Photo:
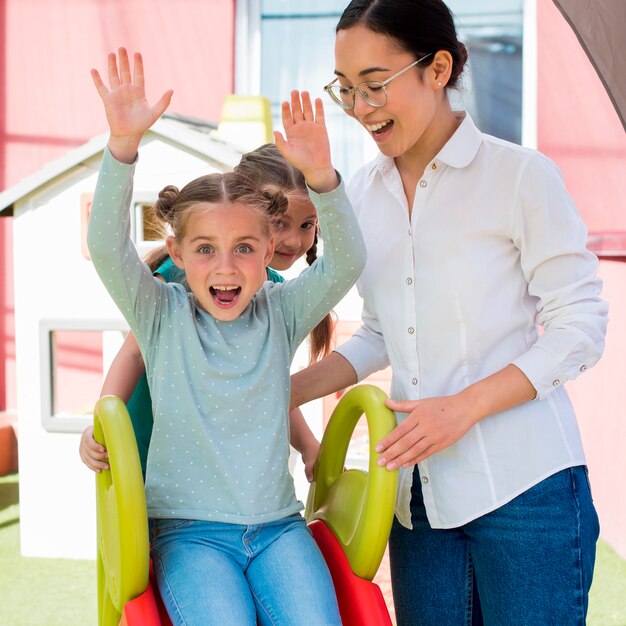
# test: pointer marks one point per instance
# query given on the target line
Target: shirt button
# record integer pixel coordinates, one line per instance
(409, 281)
(433, 166)
(583, 368)
(411, 330)
(423, 183)
(414, 381)
(556, 383)
(425, 480)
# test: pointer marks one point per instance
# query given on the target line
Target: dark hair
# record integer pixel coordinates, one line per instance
(173, 205)
(418, 26)
(276, 177)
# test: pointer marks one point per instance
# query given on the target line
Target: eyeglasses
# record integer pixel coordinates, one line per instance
(372, 91)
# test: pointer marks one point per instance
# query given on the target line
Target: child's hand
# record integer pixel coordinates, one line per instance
(309, 458)
(306, 146)
(128, 112)
(92, 454)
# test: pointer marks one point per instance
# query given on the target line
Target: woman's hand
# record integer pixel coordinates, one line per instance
(432, 425)
(92, 454)
(306, 145)
(128, 112)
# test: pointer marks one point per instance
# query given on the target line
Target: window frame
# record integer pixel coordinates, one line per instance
(248, 47)
(66, 422)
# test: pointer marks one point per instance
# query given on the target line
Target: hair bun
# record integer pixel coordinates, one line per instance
(164, 206)
(463, 52)
(277, 201)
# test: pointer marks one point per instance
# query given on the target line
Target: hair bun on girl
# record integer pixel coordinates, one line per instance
(277, 201)
(164, 206)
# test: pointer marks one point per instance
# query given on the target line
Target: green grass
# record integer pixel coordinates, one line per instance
(51, 592)
(40, 592)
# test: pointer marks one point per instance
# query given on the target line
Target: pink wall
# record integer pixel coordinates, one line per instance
(48, 104)
(577, 124)
(579, 129)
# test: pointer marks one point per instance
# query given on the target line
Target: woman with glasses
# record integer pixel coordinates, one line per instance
(474, 245)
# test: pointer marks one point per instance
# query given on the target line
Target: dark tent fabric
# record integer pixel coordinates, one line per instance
(600, 26)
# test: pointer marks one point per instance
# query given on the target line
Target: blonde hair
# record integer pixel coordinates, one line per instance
(174, 206)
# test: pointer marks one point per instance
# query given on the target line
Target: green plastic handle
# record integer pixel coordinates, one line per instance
(358, 506)
(123, 543)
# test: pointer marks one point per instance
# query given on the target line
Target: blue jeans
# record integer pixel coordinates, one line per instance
(230, 574)
(528, 563)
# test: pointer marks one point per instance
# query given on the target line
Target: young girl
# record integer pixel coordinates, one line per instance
(295, 230)
(473, 245)
(228, 543)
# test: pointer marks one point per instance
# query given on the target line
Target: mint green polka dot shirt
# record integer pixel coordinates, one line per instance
(220, 390)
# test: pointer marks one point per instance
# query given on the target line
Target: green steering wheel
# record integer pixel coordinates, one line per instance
(358, 506)
(123, 544)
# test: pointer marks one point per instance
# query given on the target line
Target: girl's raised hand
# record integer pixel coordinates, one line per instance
(306, 144)
(128, 112)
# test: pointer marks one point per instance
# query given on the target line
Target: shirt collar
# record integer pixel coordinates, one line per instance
(459, 151)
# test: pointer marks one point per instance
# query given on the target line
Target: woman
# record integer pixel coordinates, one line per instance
(473, 244)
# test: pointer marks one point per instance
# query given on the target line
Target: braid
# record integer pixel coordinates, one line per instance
(322, 334)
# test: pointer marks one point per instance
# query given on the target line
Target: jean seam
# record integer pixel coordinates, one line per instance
(262, 606)
(581, 608)
(469, 587)
(166, 587)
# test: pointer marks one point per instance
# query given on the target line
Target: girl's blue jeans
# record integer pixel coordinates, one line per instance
(234, 575)
(528, 563)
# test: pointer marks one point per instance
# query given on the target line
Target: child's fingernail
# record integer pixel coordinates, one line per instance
(392, 466)
(381, 461)
(378, 447)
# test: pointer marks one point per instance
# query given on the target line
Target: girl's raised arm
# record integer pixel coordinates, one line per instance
(128, 112)
(306, 145)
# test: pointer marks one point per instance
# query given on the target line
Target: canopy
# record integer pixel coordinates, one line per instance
(601, 29)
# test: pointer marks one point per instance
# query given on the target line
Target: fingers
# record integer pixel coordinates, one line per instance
(296, 107)
(395, 435)
(287, 118)
(138, 70)
(308, 471)
(280, 142)
(160, 107)
(319, 112)
(307, 108)
(97, 81)
(300, 109)
(122, 75)
(114, 79)
(125, 75)
(406, 453)
(92, 453)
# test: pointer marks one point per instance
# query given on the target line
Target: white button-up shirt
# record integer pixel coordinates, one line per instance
(493, 251)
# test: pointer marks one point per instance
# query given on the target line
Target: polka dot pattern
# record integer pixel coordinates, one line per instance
(220, 390)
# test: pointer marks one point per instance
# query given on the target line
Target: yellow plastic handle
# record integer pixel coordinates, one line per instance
(123, 544)
(357, 506)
